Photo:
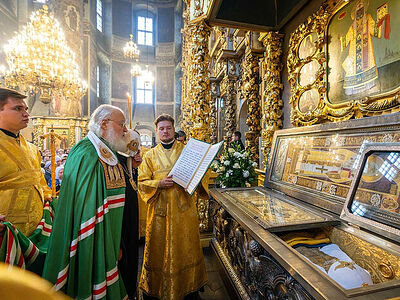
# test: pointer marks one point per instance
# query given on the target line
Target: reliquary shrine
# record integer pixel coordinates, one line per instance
(326, 223)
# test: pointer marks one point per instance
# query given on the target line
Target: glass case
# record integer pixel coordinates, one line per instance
(373, 201)
(276, 213)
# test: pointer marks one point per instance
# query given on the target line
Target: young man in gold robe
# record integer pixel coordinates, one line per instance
(173, 265)
(23, 188)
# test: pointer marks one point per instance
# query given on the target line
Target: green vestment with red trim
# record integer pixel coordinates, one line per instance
(82, 259)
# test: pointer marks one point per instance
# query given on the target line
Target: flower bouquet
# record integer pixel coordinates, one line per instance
(234, 168)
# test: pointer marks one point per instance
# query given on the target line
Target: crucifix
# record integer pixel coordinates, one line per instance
(322, 169)
(52, 142)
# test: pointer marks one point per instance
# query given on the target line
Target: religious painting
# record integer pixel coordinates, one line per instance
(64, 133)
(121, 79)
(363, 50)
(65, 107)
(307, 46)
(308, 100)
(349, 52)
(72, 18)
(165, 84)
(308, 73)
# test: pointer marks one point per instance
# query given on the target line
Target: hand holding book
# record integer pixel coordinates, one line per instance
(193, 163)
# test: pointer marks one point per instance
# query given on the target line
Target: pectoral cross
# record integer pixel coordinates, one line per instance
(52, 141)
(322, 169)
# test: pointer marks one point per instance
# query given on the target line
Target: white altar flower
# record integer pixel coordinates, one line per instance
(236, 166)
(254, 164)
(227, 162)
(237, 154)
(246, 174)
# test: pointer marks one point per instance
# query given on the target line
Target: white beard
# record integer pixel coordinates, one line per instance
(116, 143)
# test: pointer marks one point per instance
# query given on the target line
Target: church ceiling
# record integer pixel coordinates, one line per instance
(259, 15)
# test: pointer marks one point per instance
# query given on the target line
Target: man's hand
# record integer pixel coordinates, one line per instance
(137, 160)
(167, 182)
(48, 199)
(2, 226)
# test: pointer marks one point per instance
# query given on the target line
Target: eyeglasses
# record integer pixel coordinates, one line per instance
(122, 125)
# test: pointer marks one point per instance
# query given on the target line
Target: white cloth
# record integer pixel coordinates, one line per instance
(349, 277)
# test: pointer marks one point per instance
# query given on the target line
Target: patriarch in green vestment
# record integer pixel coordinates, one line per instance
(93, 247)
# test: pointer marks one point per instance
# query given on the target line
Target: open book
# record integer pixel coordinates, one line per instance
(193, 163)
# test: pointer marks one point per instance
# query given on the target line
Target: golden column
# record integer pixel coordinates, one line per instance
(196, 95)
(199, 81)
(213, 113)
(250, 92)
(185, 63)
(228, 92)
(272, 88)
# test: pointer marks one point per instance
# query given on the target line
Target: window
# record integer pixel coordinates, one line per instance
(98, 81)
(145, 140)
(144, 91)
(99, 15)
(145, 31)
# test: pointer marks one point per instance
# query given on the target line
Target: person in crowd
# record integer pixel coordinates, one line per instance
(236, 140)
(181, 136)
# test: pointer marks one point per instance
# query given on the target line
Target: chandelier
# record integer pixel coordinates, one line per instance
(136, 70)
(130, 50)
(40, 61)
(147, 75)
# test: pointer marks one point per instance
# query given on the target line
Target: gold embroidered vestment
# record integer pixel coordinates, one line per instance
(22, 184)
(173, 263)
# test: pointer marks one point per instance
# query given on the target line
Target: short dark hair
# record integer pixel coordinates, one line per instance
(176, 135)
(9, 93)
(181, 133)
(238, 134)
(164, 117)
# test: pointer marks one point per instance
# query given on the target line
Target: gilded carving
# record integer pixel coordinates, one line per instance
(185, 63)
(250, 92)
(228, 92)
(213, 113)
(196, 94)
(200, 94)
(255, 273)
(72, 125)
(272, 98)
(310, 103)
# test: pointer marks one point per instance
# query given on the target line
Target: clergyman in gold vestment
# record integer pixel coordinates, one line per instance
(173, 265)
(23, 188)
